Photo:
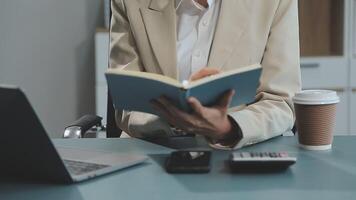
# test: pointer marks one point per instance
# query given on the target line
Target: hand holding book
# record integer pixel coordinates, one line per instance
(212, 122)
(133, 90)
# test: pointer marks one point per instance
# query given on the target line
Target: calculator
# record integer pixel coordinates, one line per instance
(260, 161)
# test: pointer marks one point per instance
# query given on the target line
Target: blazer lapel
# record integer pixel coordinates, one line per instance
(160, 23)
(230, 28)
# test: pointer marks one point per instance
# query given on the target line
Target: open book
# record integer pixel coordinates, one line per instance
(132, 90)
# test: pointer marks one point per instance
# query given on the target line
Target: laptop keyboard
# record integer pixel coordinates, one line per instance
(79, 168)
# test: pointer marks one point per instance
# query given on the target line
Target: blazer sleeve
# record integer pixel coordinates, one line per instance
(124, 55)
(272, 114)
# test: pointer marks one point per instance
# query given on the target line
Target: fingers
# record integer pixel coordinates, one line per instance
(196, 105)
(204, 73)
(173, 119)
(223, 103)
(170, 111)
(205, 121)
(180, 119)
(162, 111)
(226, 99)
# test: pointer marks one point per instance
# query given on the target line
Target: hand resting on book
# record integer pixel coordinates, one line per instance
(208, 71)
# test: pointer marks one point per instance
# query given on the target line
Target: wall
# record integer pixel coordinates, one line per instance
(47, 48)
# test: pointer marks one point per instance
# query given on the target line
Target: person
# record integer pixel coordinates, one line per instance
(192, 39)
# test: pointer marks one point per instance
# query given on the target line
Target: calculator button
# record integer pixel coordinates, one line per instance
(253, 155)
(245, 155)
(273, 155)
(283, 154)
(265, 155)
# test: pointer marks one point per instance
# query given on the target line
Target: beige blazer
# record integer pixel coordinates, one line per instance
(143, 38)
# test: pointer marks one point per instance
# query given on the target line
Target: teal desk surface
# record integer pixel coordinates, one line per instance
(316, 175)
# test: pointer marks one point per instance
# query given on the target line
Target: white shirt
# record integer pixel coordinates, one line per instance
(195, 31)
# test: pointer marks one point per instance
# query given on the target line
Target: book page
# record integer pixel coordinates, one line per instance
(146, 75)
(221, 75)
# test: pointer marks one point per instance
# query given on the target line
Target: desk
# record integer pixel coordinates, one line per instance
(317, 175)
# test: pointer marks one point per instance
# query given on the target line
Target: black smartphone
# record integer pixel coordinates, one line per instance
(188, 162)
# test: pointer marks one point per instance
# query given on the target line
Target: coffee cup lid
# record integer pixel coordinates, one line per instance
(316, 97)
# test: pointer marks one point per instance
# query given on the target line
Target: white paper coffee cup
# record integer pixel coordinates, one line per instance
(315, 113)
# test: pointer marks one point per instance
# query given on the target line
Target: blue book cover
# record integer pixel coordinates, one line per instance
(133, 90)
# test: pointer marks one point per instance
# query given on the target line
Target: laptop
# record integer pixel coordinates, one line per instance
(26, 151)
